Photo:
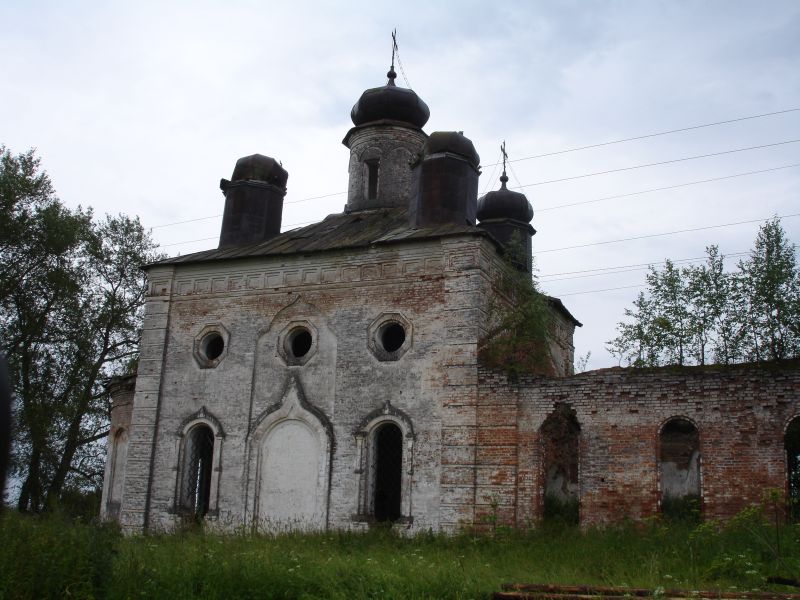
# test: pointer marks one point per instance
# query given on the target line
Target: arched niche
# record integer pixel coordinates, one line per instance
(559, 437)
(119, 460)
(791, 444)
(679, 468)
(290, 459)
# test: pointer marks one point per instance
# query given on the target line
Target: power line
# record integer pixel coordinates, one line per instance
(640, 137)
(538, 210)
(624, 287)
(639, 265)
(650, 135)
(490, 179)
(652, 235)
(220, 214)
(315, 197)
(216, 237)
(663, 162)
(610, 271)
(669, 187)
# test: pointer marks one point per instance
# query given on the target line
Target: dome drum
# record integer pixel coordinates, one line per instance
(380, 165)
(507, 215)
(515, 237)
(445, 181)
(253, 201)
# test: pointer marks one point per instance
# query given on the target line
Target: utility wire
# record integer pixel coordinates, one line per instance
(491, 178)
(220, 214)
(557, 206)
(517, 179)
(216, 237)
(639, 265)
(669, 187)
(652, 235)
(624, 287)
(663, 162)
(651, 135)
(609, 271)
(640, 137)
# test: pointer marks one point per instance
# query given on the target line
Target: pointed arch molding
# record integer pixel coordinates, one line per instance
(385, 413)
(201, 416)
(366, 468)
(290, 457)
(294, 393)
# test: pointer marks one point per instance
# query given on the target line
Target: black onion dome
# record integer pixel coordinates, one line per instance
(392, 103)
(504, 204)
(452, 141)
(258, 167)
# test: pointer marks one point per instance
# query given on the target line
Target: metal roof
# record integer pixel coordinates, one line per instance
(343, 231)
(335, 232)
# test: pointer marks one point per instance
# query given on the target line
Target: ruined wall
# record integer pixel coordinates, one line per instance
(121, 390)
(740, 412)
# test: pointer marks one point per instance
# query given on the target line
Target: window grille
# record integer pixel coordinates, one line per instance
(388, 472)
(196, 482)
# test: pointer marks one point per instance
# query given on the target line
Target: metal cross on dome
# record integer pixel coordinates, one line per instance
(394, 45)
(505, 156)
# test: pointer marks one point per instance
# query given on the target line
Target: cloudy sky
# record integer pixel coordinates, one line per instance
(141, 107)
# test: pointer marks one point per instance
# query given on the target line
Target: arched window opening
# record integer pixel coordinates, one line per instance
(791, 442)
(388, 447)
(560, 435)
(372, 178)
(680, 470)
(197, 461)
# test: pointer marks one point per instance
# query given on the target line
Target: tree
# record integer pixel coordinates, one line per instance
(774, 299)
(701, 314)
(71, 295)
(519, 317)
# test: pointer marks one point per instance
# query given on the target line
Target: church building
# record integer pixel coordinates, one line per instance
(331, 376)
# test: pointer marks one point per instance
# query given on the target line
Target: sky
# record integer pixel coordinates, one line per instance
(141, 107)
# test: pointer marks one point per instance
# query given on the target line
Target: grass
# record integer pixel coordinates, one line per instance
(49, 557)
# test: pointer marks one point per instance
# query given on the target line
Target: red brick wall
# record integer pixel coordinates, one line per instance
(741, 413)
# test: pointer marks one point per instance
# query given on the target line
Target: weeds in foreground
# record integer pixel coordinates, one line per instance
(48, 557)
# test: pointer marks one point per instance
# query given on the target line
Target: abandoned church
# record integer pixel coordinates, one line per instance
(331, 376)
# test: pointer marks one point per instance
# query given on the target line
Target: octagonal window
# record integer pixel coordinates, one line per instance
(297, 343)
(389, 336)
(211, 346)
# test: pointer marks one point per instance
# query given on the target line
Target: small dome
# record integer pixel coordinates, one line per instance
(392, 103)
(452, 141)
(258, 167)
(504, 204)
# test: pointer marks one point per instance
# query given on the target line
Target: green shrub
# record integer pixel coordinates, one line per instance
(49, 556)
(561, 511)
(681, 508)
(54, 557)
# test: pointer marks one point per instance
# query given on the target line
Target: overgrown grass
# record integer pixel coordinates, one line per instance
(46, 557)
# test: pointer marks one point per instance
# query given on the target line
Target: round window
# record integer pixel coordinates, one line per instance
(212, 346)
(392, 336)
(298, 342)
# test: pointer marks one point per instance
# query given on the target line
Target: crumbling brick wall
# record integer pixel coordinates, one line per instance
(741, 413)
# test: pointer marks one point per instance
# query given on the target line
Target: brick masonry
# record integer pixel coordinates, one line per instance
(471, 448)
(474, 451)
(741, 414)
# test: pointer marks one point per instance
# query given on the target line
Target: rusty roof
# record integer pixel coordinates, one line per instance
(335, 232)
